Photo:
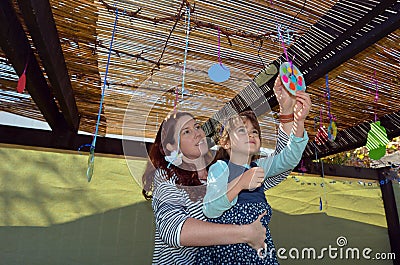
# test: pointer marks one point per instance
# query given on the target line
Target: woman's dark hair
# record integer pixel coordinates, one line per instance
(230, 125)
(165, 135)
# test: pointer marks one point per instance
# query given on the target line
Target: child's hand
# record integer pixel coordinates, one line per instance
(303, 106)
(252, 178)
(286, 100)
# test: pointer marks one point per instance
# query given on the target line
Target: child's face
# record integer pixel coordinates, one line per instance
(244, 139)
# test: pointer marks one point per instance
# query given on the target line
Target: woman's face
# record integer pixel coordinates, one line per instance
(193, 143)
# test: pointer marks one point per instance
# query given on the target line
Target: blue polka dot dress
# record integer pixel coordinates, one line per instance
(249, 206)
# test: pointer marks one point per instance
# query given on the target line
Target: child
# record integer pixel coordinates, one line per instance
(233, 199)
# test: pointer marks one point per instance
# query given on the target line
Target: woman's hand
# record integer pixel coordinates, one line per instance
(255, 233)
(286, 100)
(303, 106)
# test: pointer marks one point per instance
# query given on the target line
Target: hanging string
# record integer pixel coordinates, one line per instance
(89, 172)
(219, 49)
(258, 54)
(176, 99)
(328, 95)
(323, 186)
(375, 81)
(186, 49)
(287, 28)
(301, 10)
(322, 164)
(320, 118)
(219, 46)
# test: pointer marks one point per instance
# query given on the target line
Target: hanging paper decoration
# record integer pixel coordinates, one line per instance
(219, 72)
(377, 137)
(22, 81)
(292, 78)
(377, 141)
(90, 169)
(332, 128)
(321, 137)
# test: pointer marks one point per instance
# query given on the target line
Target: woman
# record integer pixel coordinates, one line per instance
(180, 156)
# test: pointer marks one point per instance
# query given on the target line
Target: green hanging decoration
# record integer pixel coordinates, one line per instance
(377, 141)
(377, 137)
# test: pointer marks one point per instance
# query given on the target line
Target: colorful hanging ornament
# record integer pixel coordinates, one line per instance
(292, 78)
(332, 128)
(377, 137)
(377, 141)
(219, 72)
(22, 80)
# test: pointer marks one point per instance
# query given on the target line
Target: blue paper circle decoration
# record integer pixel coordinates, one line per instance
(219, 73)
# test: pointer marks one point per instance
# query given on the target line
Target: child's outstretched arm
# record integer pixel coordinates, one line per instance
(282, 142)
(286, 104)
(301, 110)
(291, 154)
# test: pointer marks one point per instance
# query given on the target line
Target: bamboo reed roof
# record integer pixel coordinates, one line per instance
(150, 43)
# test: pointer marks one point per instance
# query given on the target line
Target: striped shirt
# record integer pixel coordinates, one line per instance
(172, 206)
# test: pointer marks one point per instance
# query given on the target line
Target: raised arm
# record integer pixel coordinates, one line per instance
(282, 141)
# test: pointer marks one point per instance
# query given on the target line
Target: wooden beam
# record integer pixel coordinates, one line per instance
(379, 8)
(341, 171)
(378, 32)
(16, 47)
(71, 141)
(392, 216)
(40, 22)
